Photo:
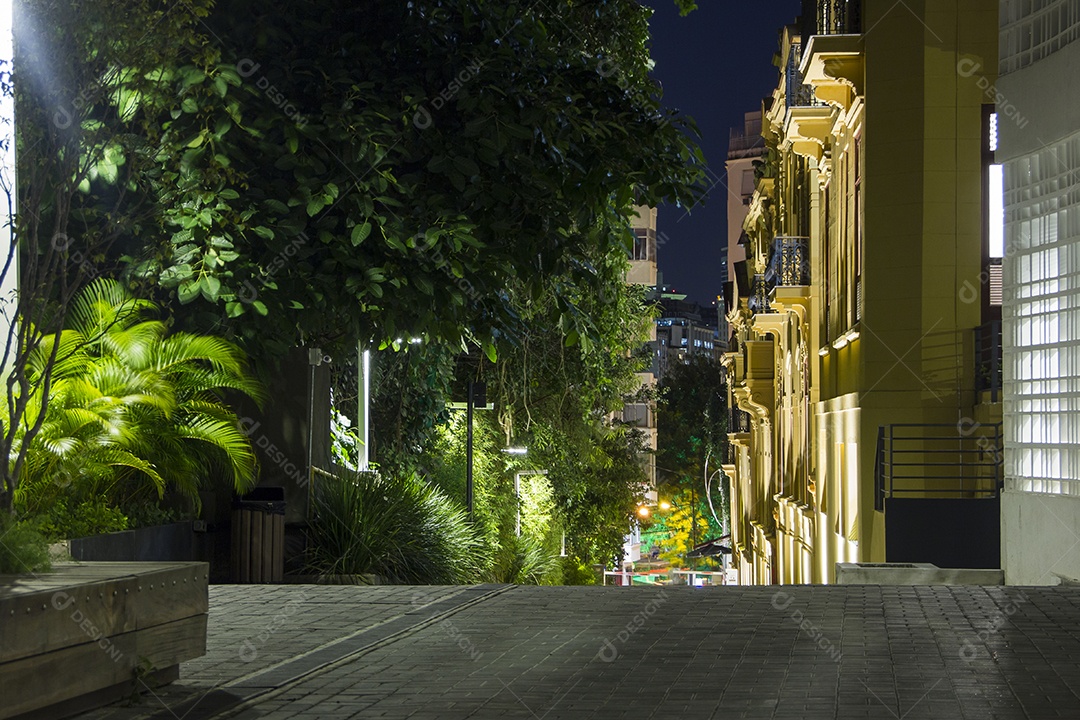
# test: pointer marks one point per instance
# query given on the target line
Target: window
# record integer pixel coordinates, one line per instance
(644, 244)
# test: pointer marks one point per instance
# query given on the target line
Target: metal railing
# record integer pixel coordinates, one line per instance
(789, 263)
(839, 17)
(759, 295)
(798, 93)
(739, 140)
(931, 460)
(988, 359)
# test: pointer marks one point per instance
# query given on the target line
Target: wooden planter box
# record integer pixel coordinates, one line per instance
(79, 636)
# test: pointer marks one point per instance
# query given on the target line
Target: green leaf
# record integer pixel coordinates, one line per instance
(189, 105)
(263, 232)
(489, 351)
(211, 286)
(188, 291)
(424, 284)
(229, 194)
(467, 166)
(360, 233)
(260, 307)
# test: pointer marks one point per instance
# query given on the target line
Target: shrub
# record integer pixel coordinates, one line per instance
(22, 548)
(399, 528)
(66, 519)
(525, 560)
(135, 412)
(576, 572)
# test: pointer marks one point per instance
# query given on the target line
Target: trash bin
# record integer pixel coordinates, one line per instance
(258, 536)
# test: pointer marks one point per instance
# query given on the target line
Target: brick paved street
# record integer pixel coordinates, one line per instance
(677, 652)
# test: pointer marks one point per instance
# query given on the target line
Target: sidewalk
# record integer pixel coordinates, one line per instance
(589, 652)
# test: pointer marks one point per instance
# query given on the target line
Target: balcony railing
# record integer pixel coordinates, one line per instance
(740, 142)
(759, 295)
(839, 17)
(789, 263)
(959, 460)
(798, 94)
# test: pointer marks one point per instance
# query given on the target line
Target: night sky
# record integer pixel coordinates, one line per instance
(714, 64)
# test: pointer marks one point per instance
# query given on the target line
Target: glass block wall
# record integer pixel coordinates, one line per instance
(1041, 303)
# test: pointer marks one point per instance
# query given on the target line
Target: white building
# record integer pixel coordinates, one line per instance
(1037, 100)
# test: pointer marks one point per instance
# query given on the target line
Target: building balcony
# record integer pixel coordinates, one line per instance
(758, 302)
(789, 264)
(798, 93)
(834, 66)
(837, 17)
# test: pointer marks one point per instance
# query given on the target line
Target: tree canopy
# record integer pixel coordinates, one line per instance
(383, 171)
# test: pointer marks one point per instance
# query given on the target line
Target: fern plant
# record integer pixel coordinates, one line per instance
(133, 410)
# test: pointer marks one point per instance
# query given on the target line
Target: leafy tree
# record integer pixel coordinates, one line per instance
(134, 411)
(384, 171)
(692, 427)
(88, 84)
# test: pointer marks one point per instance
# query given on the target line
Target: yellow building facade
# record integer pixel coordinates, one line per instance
(853, 315)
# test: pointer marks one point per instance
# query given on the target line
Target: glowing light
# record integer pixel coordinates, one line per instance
(643, 511)
(824, 351)
(665, 505)
(516, 450)
(997, 211)
(840, 343)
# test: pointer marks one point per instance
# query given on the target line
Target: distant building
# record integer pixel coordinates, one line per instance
(642, 415)
(746, 146)
(1037, 107)
(683, 329)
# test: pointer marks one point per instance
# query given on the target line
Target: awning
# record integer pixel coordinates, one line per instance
(711, 548)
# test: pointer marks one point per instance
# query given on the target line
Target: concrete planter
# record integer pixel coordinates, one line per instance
(80, 636)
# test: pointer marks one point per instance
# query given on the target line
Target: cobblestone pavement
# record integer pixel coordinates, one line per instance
(676, 652)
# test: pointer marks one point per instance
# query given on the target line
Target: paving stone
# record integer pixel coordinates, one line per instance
(493, 652)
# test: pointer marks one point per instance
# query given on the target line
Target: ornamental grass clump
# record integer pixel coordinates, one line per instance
(398, 528)
(22, 548)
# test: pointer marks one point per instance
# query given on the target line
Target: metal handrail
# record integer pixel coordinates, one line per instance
(978, 464)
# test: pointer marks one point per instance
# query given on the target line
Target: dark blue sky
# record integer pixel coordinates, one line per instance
(714, 64)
